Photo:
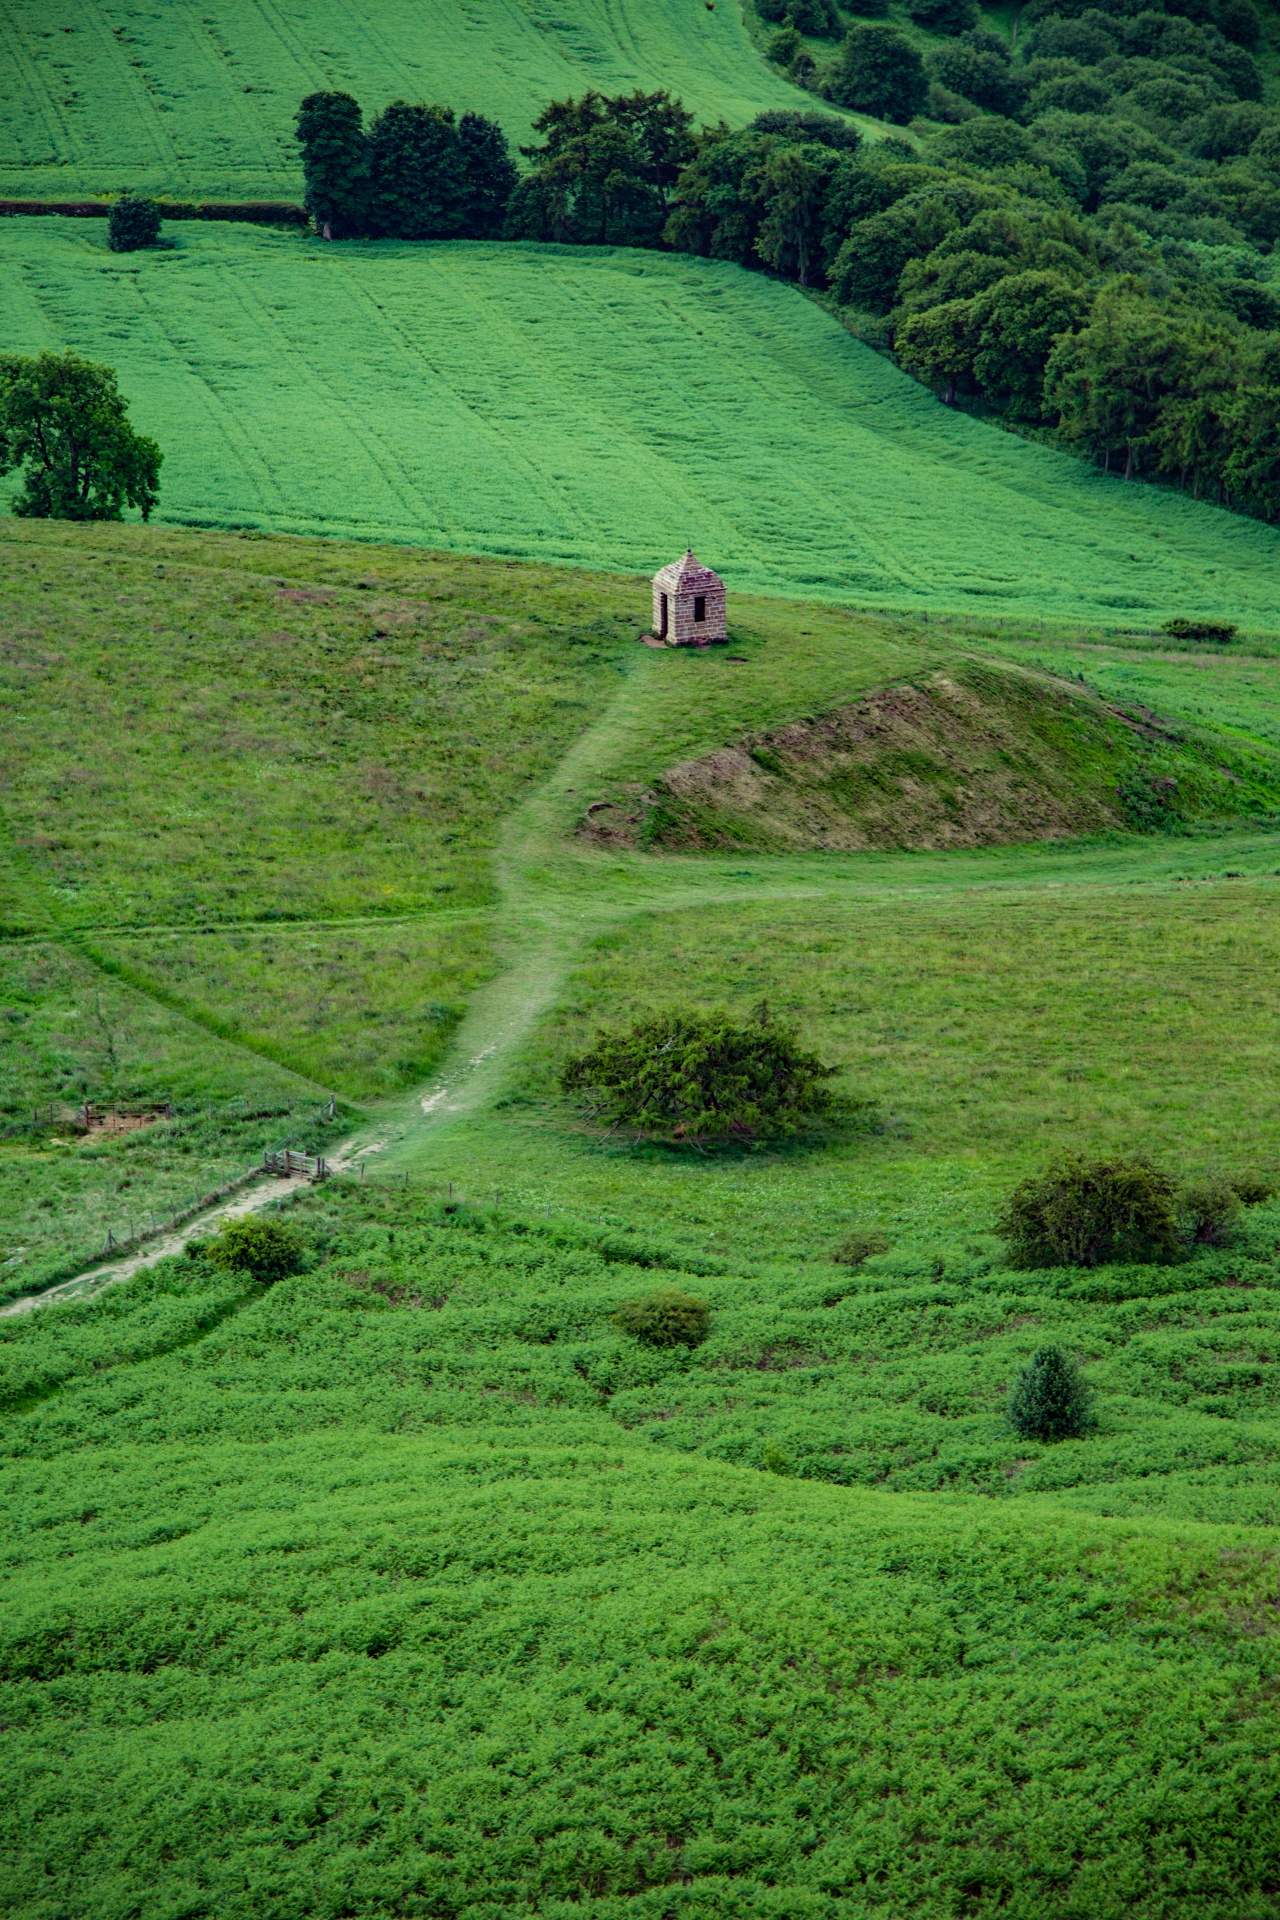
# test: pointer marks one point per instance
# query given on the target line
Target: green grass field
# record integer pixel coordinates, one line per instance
(413, 1587)
(164, 98)
(517, 400)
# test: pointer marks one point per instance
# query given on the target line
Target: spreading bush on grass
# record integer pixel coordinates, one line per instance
(1082, 1213)
(261, 1248)
(666, 1318)
(133, 223)
(1049, 1400)
(62, 419)
(704, 1079)
(1211, 1210)
(857, 1247)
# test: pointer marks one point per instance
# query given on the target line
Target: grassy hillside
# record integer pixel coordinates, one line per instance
(381, 1596)
(99, 94)
(518, 400)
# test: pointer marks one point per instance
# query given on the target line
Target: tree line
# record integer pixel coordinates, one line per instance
(1075, 238)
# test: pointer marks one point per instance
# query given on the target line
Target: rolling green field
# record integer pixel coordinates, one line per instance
(162, 97)
(601, 409)
(414, 1588)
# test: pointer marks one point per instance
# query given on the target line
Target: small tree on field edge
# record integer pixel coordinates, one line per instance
(1049, 1400)
(132, 224)
(63, 420)
(704, 1079)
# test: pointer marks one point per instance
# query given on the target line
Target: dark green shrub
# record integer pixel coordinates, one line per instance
(132, 224)
(1151, 800)
(698, 1079)
(857, 1247)
(1211, 1209)
(264, 1249)
(1049, 1400)
(1201, 630)
(666, 1318)
(1083, 1213)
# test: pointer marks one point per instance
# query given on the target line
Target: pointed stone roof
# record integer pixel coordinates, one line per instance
(686, 576)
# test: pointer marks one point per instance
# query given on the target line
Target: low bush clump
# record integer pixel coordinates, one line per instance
(666, 1318)
(1083, 1213)
(1200, 630)
(699, 1080)
(264, 1249)
(857, 1247)
(132, 224)
(1049, 1400)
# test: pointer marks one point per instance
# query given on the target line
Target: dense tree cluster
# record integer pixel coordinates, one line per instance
(417, 173)
(1083, 246)
(1077, 237)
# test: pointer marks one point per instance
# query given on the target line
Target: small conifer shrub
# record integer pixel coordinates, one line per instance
(132, 224)
(1083, 1213)
(264, 1249)
(1049, 1400)
(665, 1318)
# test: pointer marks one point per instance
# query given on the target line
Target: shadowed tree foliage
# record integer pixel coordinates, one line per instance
(132, 224)
(704, 1079)
(335, 163)
(63, 421)
(489, 175)
(1049, 1400)
(417, 177)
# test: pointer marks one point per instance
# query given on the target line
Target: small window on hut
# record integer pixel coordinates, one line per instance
(699, 607)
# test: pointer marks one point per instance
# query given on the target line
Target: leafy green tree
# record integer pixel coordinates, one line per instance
(665, 1318)
(793, 189)
(1018, 322)
(869, 266)
(702, 1079)
(593, 191)
(878, 71)
(418, 187)
(489, 175)
(1049, 1400)
(938, 345)
(132, 224)
(820, 18)
(264, 1249)
(1083, 1213)
(63, 421)
(335, 164)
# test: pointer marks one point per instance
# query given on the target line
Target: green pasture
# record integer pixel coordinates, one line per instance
(414, 1587)
(602, 409)
(167, 99)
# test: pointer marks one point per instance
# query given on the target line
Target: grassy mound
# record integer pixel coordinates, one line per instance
(970, 757)
(166, 99)
(379, 1585)
(517, 401)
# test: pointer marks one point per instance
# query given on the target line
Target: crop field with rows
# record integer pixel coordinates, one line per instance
(600, 408)
(171, 98)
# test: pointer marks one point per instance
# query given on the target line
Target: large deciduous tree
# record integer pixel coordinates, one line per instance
(62, 421)
(418, 179)
(335, 163)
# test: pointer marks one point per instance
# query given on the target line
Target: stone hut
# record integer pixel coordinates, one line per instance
(688, 604)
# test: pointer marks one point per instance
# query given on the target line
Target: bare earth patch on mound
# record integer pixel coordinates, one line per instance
(969, 757)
